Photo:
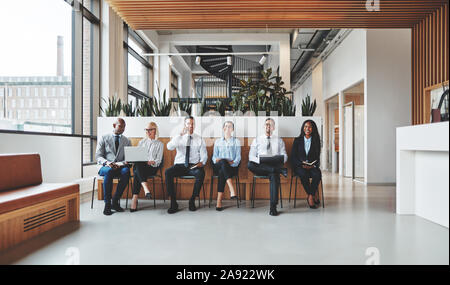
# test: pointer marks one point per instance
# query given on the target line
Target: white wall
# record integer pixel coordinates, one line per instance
(300, 93)
(387, 98)
(346, 65)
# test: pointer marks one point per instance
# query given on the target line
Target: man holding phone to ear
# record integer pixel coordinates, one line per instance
(190, 159)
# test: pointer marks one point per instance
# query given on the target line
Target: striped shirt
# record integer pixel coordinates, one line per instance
(154, 148)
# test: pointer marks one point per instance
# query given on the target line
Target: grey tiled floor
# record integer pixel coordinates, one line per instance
(356, 217)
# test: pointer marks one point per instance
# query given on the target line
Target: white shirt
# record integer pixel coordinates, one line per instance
(197, 152)
(259, 147)
(154, 148)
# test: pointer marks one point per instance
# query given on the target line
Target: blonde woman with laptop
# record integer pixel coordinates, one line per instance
(142, 170)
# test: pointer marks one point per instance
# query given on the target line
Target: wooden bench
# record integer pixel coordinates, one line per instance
(245, 175)
(29, 207)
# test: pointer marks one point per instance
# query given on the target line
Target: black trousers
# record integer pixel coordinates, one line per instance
(305, 175)
(141, 172)
(274, 176)
(225, 171)
(180, 170)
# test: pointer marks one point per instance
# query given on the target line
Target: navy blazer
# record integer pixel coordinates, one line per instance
(299, 154)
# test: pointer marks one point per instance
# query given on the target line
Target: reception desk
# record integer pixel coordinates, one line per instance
(423, 171)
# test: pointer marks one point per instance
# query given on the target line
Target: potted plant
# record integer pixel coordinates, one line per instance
(308, 108)
(161, 107)
(113, 107)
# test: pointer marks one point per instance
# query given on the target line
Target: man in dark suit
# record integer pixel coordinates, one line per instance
(110, 155)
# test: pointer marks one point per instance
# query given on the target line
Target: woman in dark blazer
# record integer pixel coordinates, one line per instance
(306, 148)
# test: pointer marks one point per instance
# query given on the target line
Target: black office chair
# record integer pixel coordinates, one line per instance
(254, 186)
(153, 181)
(295, 195)
(99, 178)
(191, 177)
(238, 185)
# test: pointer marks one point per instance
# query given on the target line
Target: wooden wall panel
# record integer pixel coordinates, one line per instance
(429, 59)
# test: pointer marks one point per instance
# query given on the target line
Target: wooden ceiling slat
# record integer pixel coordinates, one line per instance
(236, 14)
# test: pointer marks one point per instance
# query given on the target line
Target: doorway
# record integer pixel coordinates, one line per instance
(353, 132)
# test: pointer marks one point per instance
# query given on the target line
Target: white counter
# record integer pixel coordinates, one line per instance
(423, 171)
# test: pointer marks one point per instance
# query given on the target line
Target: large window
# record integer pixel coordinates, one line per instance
(90, 72)
(35, 59)
(49, 68)
(139, 68)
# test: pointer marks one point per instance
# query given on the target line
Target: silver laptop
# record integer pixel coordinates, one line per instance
(135, 154)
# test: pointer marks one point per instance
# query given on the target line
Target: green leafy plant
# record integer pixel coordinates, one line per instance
(220, 107)
(288, 108)
(185, 106)
(266, 94)
(308, 108)
(129, 110)
(113, 107)
(162, 107)
(146, 108)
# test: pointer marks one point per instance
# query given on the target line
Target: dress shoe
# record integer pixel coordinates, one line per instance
(234, 197)
(192, 205)
(148, 196)
(220, 209)
(107, 210)
(284, 172)
(273, 211)
(173, 208)
(116, 207)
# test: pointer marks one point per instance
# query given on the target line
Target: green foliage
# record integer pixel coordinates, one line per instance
(185, 106)
(129, 110)
(308, 108)
(266, 94)
(146, 108)
(288, 108)
(162, 107)
(113, 107)
(220, 107)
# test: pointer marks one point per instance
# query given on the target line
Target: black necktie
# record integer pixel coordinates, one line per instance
(116, 140)
(188, 149)
(269, 150)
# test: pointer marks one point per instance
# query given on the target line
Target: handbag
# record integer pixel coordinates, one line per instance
(436, 114)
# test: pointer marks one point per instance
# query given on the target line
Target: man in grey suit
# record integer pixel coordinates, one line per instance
(110, 154)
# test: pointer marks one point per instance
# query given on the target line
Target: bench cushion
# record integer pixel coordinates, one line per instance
(32, 195)
(19, 170)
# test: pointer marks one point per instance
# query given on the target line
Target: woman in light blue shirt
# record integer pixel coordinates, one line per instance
(226, 159)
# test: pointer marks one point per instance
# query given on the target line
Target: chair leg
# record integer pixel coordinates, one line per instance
(237, 190)
(154, 193)
(163, 186)
(295, 194)
(281, 195)
(204, 194)
(290, 188)
(93, 188)
(130, 181)
(323, 197)
(253, 192)
(211, 191)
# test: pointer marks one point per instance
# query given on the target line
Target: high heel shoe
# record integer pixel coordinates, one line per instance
(148, 196)
(313, 206)
(134, 210)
